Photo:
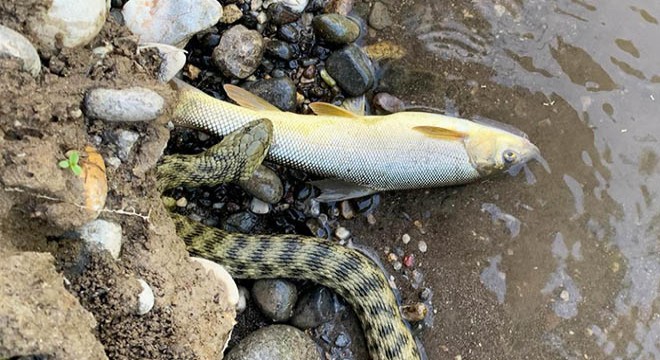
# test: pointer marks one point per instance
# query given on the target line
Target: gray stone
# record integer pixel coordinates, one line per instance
(336, 28)
(281, 14)
(314, 308)
(15, 45)
(379, 18)
(104, 235)
(240, 222)
(259, 207)
(275, 342)
(173, 60)
(352, 70)
(265, 185)
(239, 52)
(275, 298)
(279, 49)
(126, 139)
(132, 104)
(73, 22)
(146, 298)
(280, 92)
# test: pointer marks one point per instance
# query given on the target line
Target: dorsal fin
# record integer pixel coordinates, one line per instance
(321, 108)
(440, 133)
(247, 99)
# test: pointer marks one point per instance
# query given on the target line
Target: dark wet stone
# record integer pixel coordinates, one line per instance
(240, 222)
(265, 185)
(380, 17)
(289, 33)
(280, 14)
(368, 204)
(275, 298)
(336, 29)
(117, 15)
(315, 307)
(280, 92)
(210, 40)
(275, 342)
(312, 207)
(352, 70)
(239, 52)
(278, 73)
(279, 49)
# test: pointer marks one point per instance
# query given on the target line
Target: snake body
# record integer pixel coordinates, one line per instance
(347, 271)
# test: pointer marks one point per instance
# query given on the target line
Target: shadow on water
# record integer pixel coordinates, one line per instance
(580, 277)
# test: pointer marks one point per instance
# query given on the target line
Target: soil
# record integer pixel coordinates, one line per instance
(70, 302)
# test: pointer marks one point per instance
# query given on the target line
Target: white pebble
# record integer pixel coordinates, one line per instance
(182, 202)
(77, 22)
(243, 295)
(145, 298)
(226, 281)
(15, 45)
(103, 234)
(342, 233)
(564, 295)
(405, 238)
(371, 219)
(422, 246)
(171, 22)
(297, 6)
(131, 104)
(259, 207)
(397, 265)
(172, 60)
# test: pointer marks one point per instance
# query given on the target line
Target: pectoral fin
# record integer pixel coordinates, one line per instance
(337, 190)
(440, 133)
(247, 99)
(325, 109)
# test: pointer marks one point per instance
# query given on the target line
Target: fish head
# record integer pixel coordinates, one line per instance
(494, 150)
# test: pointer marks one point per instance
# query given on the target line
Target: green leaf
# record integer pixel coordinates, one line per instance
(63, 164)
(76, 169)
(74, 156)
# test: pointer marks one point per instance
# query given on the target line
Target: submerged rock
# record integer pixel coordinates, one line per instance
(379, 18)
(239, 52)
(352, 70)
(280, 92)
(132, 104)
(276, 342)
(74, 22)
(275, 298)
(15, 45)
(336, 28)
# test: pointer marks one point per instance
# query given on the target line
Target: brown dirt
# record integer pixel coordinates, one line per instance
(38, 206)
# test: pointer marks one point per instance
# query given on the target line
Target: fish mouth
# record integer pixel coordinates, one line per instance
(532, 153)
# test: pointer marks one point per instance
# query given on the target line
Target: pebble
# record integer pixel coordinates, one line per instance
(405, 238)
(75, 22)
(379, 18)
(182, 202)
(239, 52)
(289, 33)
(279, 49)
(295, 5)
(422, 246)
(146, 298)
(231, 14)
(240, 222)
(171, 22)
(346, 209)
(259, 207)
(396, 265)
(409, 260)
(265, 185)
(126, 139)
(371, 219)
(312, 208)
(275, 298)
(172, 60)
(426, 294)
(275, 342)
(351, 69)
(564, 295)
(339, 6)
(315, 307)
(222, 275)
(102, 234)
(280, 92)
(336, 29)
(414, 312)
(281, 14)
(389, 103)
(342, 233)
(243, 297)
(131, 104)
(342, 340)
(15, 45)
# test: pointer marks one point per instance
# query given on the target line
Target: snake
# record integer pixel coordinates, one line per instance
(347, 271)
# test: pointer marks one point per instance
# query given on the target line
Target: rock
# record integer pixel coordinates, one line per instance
(335, 28)
(342, 7)
(295, 5)
(347, 211)
(15, 45)
(231, 14)
(351, 69)
(280, 92)
(145, 298)
(379, 18)
(279, 49)
(281, 14)
(289, 33)
(240, 222)
(171, 22)
(314, 308)
(259, 207)
(132, 104)
(243, 297)
(342, 233)
(102, 234)
(275, 342)
(229, 288)
(125, 141)
(239, 52)
(275, 298)
(75, 22)
(172, 60)
(182, 202)
(265, 185)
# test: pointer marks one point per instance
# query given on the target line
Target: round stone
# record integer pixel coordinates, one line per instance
(352, 70)
(275, 342)
(239, 52)
(315, 307)
(275, 298)
(336, 28)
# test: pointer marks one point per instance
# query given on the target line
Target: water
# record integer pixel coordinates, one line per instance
(567, 267)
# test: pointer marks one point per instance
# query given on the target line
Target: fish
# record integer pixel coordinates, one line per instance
(358, 155)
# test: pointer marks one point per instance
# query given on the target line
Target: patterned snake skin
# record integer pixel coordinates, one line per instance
(347, 271)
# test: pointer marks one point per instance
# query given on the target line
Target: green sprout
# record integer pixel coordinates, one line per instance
(71, 163)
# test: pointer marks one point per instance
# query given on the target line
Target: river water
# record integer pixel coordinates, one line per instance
(560, 265)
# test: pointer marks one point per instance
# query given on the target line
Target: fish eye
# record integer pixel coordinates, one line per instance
(510, 156)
